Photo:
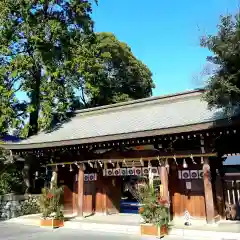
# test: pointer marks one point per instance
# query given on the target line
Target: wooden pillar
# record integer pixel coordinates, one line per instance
(164, 182)
(80, 191)
(209, 203)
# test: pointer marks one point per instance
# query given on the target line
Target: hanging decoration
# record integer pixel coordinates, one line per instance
(185, 174)
(149, 164)
(76, 163)
(190, 174)
(109, 172)
(138, 171)
(130, 172)
(123, 171)
(154, 171)
(100, 164)
(145, 171)
(175, 160)
(86, 177)
(105, 165)
(90, 164)
(166, 164)
(83, 167)
(117, 172)
(92, 177)
(129, 169)
(117, 165)
(200, 173)
(194, 174)
(185, 163)
(192, 159)
(56, 168)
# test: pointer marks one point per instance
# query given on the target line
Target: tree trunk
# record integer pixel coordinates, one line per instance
(35, 102)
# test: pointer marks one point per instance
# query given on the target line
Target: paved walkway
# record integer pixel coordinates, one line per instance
(22, 232)
(15, 231)
(129, 224)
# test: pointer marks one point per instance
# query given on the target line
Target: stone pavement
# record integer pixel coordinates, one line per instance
(13, 231)
(127, 224)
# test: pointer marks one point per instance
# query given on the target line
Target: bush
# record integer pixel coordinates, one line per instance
(152, 209)
(50, 203)
(30, 206)
(11, 179)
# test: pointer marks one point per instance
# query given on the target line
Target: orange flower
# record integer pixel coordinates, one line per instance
(141, 210)
(49, 195)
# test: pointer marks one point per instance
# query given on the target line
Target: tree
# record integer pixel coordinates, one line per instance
(35, 38)
(7, 114)
(49, 51)
(11, 110)
(223, 87)
(108, 72)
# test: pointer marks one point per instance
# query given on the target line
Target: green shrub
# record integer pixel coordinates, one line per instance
(11, 179)
(50, 203)
(152, 209)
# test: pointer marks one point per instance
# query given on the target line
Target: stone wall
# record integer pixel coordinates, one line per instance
(18, 205)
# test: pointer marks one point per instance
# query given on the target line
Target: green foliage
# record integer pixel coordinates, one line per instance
(109, 72)
(51, 202)
(152, 209)
(35, 38)
(223, 87)
(11, 179)
(30, 206)
(50, 53)
(10, 112)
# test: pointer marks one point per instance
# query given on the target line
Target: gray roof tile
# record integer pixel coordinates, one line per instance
(141, 115)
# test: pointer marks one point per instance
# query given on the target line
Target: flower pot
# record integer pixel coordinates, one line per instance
(54, 223)
(153, 230)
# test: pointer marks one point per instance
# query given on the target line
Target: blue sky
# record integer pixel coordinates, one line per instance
(164, 34)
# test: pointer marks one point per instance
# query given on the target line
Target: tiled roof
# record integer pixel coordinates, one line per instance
(143, 115)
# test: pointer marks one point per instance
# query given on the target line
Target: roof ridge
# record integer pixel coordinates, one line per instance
(142, 100)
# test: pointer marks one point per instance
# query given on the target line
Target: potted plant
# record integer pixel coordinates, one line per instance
(51, 207)
(154, 212)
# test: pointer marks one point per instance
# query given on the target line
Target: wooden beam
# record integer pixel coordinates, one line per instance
(208, 192)
(80, 191)
(164, 182)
